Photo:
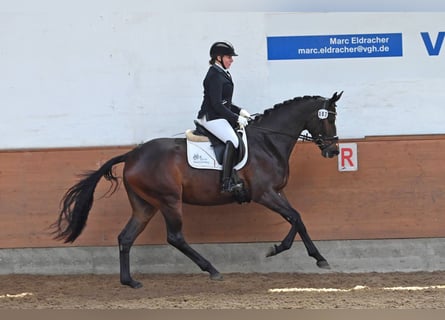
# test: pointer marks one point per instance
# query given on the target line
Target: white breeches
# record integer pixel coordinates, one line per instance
(221, 128)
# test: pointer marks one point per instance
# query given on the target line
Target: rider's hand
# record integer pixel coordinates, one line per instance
(242, 121)
(244, 113)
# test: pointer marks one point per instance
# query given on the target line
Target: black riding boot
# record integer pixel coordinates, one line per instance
(227, 182)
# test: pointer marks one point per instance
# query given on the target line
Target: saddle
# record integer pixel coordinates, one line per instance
(206, 151)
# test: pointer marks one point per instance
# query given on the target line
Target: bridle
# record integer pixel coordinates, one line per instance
(322, 141)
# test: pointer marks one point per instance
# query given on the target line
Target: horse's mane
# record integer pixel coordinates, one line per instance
(285, 103)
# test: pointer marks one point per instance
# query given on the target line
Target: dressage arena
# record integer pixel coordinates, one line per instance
(394, 265)
(78, 92)
(418, 290)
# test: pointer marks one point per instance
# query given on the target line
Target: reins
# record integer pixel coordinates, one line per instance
(319, 141)
(303, 137)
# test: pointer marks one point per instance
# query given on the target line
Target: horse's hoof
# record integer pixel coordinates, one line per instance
(272, 251)
(323, 264)
(217, 277)
(132, 283)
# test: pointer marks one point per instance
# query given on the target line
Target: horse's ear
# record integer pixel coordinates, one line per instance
(336, 96)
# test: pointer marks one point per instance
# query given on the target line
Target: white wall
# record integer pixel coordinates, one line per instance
(111, 77)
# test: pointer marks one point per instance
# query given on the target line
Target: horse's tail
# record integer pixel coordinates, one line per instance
(78, 200)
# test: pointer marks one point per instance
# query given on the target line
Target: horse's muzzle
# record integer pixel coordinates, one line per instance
(330, 151)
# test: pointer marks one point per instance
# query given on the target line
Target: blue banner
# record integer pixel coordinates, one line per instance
(335, 46)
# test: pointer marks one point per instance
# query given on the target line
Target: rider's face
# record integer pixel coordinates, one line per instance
(227, 60)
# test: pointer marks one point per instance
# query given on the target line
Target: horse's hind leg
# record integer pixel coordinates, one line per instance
(173, 219)
(142, 214)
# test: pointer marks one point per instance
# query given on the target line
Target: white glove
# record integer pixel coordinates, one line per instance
(244, 113)
(242, 121)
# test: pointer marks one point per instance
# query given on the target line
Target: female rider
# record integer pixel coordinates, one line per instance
(218, 114)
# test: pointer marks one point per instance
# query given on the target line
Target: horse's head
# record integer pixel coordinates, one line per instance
(322, 126)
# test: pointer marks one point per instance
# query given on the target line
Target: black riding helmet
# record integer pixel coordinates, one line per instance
(222, 48)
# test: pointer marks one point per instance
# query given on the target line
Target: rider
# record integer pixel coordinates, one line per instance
(218, 114)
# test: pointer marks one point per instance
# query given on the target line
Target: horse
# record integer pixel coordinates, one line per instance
(157, 177)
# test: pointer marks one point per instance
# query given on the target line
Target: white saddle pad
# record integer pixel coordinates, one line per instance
(200, 155)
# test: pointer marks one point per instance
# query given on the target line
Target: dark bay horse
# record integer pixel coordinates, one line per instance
(157, 177)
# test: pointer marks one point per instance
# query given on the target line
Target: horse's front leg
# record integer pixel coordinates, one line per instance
(279, 203)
